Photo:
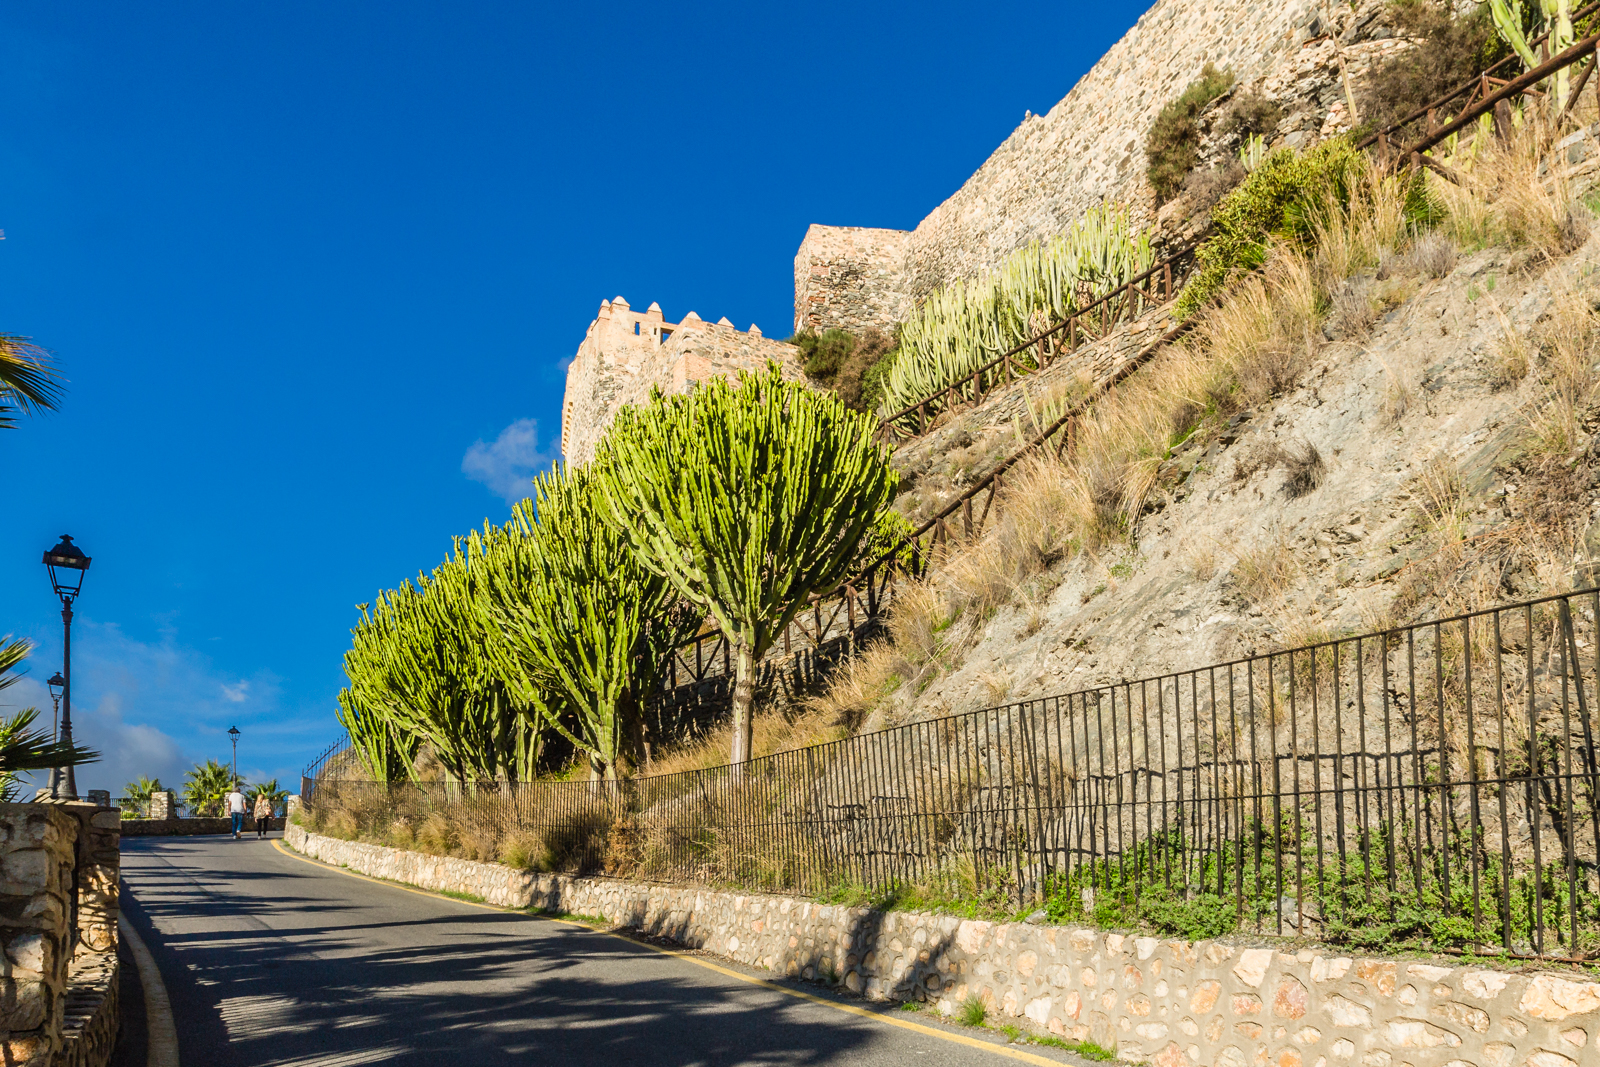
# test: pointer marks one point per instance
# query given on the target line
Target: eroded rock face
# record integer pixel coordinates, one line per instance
(1182, 1003)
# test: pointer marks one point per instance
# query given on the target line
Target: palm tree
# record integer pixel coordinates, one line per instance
(29, 382)
(207, 787)
(268, 789)
(141, 791)
(22, 748)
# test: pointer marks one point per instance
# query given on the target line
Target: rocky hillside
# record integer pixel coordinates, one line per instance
(1425, 446)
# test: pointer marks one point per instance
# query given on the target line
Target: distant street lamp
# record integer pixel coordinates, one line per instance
(67, 564)
(233, 732)
(56, 684)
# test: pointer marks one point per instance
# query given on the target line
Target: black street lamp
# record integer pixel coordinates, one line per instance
(56, 684)
(67, 564)
(233, 732)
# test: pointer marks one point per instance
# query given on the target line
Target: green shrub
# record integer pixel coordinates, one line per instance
(1276, 200)
(873, 380)
(824, 352)
(852, 365)
(973, 1012)
(1449, 50)
(1172, 147)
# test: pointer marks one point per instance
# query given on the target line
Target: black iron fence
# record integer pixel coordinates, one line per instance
(1433, 784)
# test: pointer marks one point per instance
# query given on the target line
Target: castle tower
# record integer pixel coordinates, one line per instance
(624, 353)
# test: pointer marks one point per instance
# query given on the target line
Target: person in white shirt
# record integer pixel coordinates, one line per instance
(236, 809)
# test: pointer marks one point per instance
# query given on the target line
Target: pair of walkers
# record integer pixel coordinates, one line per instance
(236, 809)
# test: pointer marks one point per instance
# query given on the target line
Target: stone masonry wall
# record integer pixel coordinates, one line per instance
(1177, 1003)
(37, 846)
(848, 278)
(1089, 148)
(58, 1002)
(625, 353)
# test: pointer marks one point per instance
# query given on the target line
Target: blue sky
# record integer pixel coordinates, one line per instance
(314, 272)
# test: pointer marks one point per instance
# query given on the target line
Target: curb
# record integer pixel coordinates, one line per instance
(161, 1033)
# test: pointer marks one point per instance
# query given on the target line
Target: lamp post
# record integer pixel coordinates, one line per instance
(233, 732)
(67, 564)
(56, 684)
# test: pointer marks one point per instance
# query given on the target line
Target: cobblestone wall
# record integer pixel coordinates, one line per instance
(1177, 1003)
(625, 353)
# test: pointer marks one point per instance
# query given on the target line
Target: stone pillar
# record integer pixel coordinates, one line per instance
(292, 807)
(99, 858)
(163, 805)
(37, 845)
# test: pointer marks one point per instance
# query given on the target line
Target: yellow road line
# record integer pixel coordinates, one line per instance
(904, 1024)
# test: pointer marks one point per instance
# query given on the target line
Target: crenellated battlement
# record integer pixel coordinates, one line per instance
(625, 352)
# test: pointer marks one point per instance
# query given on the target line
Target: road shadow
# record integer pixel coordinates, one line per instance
(272, 967)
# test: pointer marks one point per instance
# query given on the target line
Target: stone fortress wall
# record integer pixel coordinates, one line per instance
(1090, 148)
(625, 353)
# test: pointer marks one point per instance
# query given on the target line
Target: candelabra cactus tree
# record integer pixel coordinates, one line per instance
(749, 497)
(583, 628)
(419, 661)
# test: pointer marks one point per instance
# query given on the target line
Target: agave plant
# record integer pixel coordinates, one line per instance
(959, 328)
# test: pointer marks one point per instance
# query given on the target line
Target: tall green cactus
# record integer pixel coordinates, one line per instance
(959, 328)
(749, 497)
(386, 753)
(582, 626)
(1509, 21)
(419, 660)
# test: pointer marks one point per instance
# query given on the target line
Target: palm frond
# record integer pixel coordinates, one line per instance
(23, 749)
(29, 380)
(12, 653)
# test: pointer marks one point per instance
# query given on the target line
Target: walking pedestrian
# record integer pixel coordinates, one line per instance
(263, 815)
(236, 809)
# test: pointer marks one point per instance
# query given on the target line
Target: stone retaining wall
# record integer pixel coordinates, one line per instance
(89, 1022)
(183, 827)
(59, 863)
(1178, 1003)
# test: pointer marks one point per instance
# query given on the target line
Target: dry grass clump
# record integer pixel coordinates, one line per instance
(772, 730)
(1262, 575)
(1503, 198)
(1442, 495)
(860, 685)
(1303, 468)
(1569, 384)
(1433, 255)
(435, 836)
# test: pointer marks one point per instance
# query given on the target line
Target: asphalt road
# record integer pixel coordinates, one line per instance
(270, 959)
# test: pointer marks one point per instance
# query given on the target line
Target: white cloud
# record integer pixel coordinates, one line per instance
(507, 466)
(158, 708)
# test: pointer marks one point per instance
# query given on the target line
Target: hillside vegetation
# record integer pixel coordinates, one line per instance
(1392, 419)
